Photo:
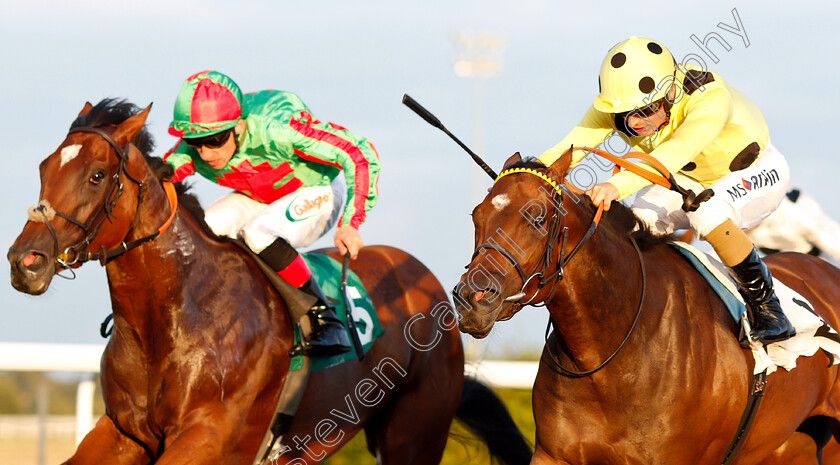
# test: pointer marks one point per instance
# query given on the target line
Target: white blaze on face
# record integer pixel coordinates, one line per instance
(70, 152)
(500, 201)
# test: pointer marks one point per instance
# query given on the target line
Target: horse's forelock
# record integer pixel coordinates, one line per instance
(529, 163)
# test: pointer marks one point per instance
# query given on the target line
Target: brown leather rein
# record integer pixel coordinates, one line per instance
(77, 254)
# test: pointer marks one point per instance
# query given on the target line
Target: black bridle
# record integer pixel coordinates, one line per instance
(558, 232)
(77, 253)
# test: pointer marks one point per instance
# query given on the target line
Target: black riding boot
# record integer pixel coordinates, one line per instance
(328, 334)
(768, 322)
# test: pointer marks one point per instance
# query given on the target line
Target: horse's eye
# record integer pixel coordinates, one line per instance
(539, 221)
(97, 177)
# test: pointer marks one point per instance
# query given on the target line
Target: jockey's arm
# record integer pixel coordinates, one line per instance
(333, 145)
(180, 161)
(706, 115)
(347, 239)
(593, 130)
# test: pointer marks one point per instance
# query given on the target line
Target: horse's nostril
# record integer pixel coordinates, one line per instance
(487, 295)
(34, 258)
(29, 259)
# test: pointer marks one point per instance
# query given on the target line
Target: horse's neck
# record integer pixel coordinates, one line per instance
(150, 284)
(143, 282)
(597, 300)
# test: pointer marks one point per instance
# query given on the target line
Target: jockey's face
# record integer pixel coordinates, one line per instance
(647, 120)
(218, 156)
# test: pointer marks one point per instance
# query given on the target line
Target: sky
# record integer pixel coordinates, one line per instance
(351, 62)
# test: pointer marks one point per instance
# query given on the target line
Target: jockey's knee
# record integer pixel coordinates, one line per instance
(221, 224)
(653, 221)
(227, 215)
(256, 238)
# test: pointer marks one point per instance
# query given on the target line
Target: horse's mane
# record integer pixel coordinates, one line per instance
(189, 202)
(112, 112)
(620, 218)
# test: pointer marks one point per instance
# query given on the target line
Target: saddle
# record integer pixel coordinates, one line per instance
(813, 334)
(327, 272)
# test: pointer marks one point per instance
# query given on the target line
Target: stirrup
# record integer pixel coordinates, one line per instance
(325, 325)
(298, 349)
(305, 348)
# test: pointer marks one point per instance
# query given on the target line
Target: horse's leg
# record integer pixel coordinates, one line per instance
(831, 453)
(199, 444)
(105, 444)
(211, 436)
(414, 428)
(812, 439)
(799, 449)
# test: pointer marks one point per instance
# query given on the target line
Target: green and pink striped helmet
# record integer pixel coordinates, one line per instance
(208, 103)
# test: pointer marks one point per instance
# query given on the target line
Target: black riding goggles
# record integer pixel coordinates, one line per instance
(646, 111)
(213, 141)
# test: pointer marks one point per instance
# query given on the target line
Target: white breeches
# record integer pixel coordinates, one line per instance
(746, 197)
(300, 217)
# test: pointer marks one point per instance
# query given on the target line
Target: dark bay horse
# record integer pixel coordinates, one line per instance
(670, 391)
(200, 344)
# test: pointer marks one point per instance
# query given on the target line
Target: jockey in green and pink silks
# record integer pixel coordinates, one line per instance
(283, 165)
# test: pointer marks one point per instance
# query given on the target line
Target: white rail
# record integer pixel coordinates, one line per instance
(19, 356)
(85, 359)
(504, 374)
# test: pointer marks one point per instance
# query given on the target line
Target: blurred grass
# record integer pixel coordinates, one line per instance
(24, 451)
(18, 393)
(462, 447)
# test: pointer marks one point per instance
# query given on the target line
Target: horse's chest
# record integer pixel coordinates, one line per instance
(619, 423)
(127, 403)
(135, 398)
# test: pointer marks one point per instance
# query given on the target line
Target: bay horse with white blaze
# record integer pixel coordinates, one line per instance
(644, 365)
(201, 340)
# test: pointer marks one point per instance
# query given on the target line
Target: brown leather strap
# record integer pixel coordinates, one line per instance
(759, 384)
(691, 201)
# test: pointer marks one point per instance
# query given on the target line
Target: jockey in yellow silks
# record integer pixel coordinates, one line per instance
(710, 136)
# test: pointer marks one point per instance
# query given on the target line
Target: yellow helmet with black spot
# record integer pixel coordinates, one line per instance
(634, 74)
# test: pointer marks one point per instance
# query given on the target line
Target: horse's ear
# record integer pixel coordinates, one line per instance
(561, 165)
(85, 109)
(129, 128)
(513, 159)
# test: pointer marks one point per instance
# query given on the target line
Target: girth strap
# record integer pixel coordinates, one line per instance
(759, 384)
